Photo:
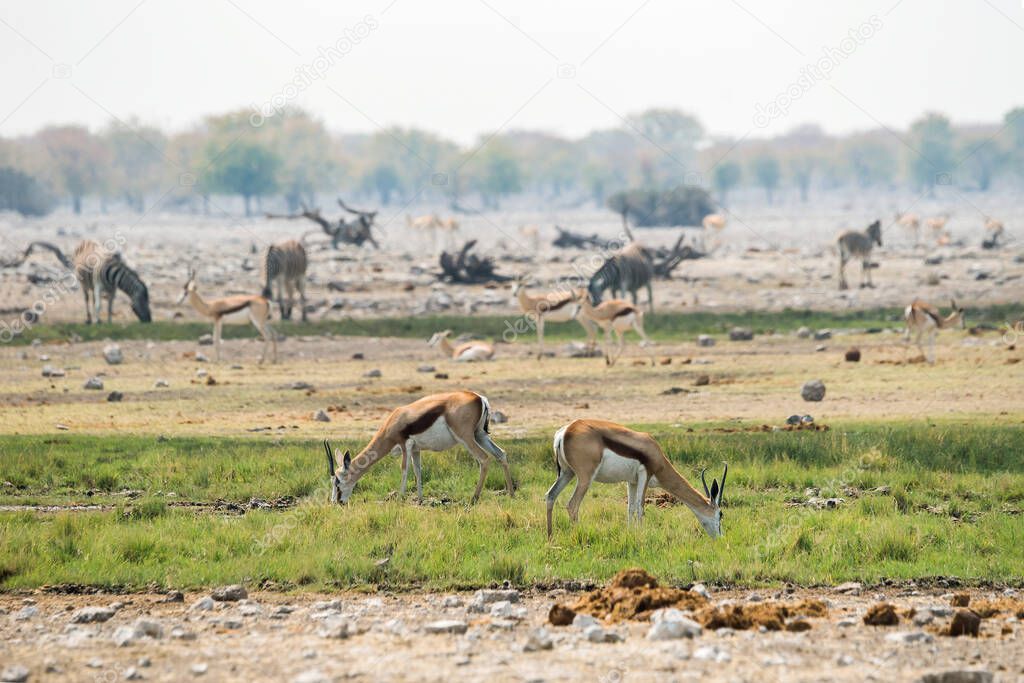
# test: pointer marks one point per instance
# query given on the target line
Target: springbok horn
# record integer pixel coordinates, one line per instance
(330, 457)
(705, 482)
(721, 489)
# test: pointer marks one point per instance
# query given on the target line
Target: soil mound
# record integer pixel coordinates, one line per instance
(990, 608)
(771, 615)
(632, 595)
(881, 614)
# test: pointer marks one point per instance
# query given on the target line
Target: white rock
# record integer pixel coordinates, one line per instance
(501, 609)
(846, 623)
(844, 660)
(584, 621)
(595, 633)
(486, 597)
(909, 637)
(321, 416)
(230, 593)
(202, 604)
(705, 340)
(711, 653)
(335, 627)
(26, 613)
(132, 674)
(199, 669)
(311, 676)
(538, 639)
(93, 383)
(672, 629)
(446, 626)
(112, 354)
(700, 589)
(940, 611)
(451, 601)
(14, 673)
(202, 358)
(161, 384)
(91, 615)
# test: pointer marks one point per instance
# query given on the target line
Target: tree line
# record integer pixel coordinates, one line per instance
(293, 157)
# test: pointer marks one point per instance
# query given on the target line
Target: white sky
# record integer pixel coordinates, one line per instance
(465, 67)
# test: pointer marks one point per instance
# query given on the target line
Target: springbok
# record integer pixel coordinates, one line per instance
(433, 423)
(923, 318)
(531, 233)
(216, 309)
(596, 450)
(856, 243)
(463, 353)
(713, 224)
(556, 306)
(910, 222)
(613, 315)
(937, 224)
(994, 230)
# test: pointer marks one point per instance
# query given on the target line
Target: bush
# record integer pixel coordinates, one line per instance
(685, 205)
(23, 193)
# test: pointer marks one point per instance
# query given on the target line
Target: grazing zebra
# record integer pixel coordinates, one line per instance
(629, 269)
(856, 243)
(285, 263)
(100, 270)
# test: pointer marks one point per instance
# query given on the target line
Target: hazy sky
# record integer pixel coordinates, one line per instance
(465, 67)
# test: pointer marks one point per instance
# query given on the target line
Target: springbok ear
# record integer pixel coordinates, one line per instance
(714, 491)
(347, 460)
(330, 457)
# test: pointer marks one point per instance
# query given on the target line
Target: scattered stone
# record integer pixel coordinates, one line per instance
(115, 397)
(202, 372)
(358, 356)
(846, 623)
(701, 589)
(922, 619)
(711, 653)
(488, 597)
(178, 633)
(446, 626)
(92, 615)
(231, 593)
(14, 673)
(312, 676)
(932, 260)
(820, 348)
(705, 340)
(852, 355)
(674, 628)
(595, 633)
(373, 373)
(50, 371)
(976, 676)
(813, 390)
(199, 669)
(451, 601)
(881, 614)
(26, 613)
(822, 335)
(941, 611)
(202, 358)
(93, 383)
(539, 639)
(441, 375)
(803, 332)
(202, 605)
(702, 381)
(910, 637)
(560, 615)
(498, 417)
(425, 368)
(850, 588)
(300, 386)
(132, 674)
(740, 334)
(321, 416)
(584, 621)
(337, 628)
(206, 339)
(173, 596)
(793, 420)
(161, 384)
(965, 623)
(112, 354)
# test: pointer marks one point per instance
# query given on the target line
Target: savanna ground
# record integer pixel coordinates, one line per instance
(208, 482)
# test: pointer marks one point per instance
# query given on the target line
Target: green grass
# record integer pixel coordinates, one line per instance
(952, 507)
(673, 325)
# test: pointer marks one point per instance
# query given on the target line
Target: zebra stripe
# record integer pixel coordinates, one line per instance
(99, 270)
(626, 270)
(285, 263)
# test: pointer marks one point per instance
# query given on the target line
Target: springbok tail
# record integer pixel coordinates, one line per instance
(483, 430)
(558, 446)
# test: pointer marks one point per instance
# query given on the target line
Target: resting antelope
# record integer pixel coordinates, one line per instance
(910, 222)
(556, 306)
(856, 243)
(614, 315)
(922, 318)
(433, 423)
(596, 450)
(463, 353)
(216, 309)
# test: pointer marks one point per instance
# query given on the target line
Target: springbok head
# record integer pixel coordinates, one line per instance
(438, 336)
(189, 287)
(960, 319)
(713, 523)
(341, 481)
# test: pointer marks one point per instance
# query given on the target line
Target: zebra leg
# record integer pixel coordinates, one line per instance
(867, 269)
(842, 270)
(88, 305)
(290, 289)
(110, 307)
(96, 298)
(302, 296)
(650, 297)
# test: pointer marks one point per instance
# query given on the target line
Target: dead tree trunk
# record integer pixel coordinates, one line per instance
(466, 268)
(666, 260)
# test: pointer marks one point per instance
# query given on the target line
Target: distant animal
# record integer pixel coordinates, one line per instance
(922, 318)
(554, 306)
(216, 309)
(628, 269)
(857, 243)
(713, 224)
(613, 315)
(285, 264)
(434, 226)
(994, 231)
(468, 352)
(605, 452)
(433, 423)
(531, 233)
(910, 222)
(101, 271)
(937, 225)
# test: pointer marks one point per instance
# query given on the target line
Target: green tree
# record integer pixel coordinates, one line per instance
(871, 162)
(802, 167)
(136, 161)
(1014, 124)
(931, 160)
(669, 140)
(982, 159)
(726, 176)
(245, 168)
(384, 180)
(75, 157)
(767, 172)
(496, 174)
(304, 147)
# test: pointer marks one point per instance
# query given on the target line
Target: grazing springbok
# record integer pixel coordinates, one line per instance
(713, 224)
(434, 225)
(555, 306)
(922, 318)
(937, 224)
(616, 315)
(216, 309)
(910, 222)
(100, 271)
(856, 243)
(596, 450)
(463, 353)
(285, 263)
(628, 269)
(433, 423)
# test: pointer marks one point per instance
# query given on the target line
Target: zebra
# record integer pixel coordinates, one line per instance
(856, 243)
(99, 270)
(629, 269)
(285, 263)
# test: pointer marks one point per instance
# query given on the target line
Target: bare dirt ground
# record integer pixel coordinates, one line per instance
(385, 637)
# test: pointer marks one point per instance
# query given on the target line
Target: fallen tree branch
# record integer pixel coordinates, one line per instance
(466, 268)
